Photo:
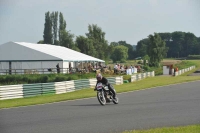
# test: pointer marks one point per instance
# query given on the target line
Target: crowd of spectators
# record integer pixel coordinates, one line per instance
(120, 68)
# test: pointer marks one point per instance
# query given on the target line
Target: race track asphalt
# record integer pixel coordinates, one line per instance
(173, 105)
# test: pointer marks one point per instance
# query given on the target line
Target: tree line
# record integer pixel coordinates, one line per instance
(180, 44)
(154, 48)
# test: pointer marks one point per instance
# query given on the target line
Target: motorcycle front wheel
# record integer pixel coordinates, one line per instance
(101, 98)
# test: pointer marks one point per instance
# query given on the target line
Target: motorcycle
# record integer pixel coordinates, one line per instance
(104, 95)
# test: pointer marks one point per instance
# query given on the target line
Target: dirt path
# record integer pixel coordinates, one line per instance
(171, 61)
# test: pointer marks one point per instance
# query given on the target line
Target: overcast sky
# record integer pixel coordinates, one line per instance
(126, 20)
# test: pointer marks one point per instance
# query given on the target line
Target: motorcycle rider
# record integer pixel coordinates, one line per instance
(103, 80)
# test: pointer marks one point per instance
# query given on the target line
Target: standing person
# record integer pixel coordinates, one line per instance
(58, 68)
(132, 69)
(122, 69)
(103, 80)
(170, 70)
(115, 68)
(176, 69)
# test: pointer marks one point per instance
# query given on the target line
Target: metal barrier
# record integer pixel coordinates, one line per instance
(40, 71)
(28, 90)
(32, 89)
(141, 76)
(184, 70)
(11, 91)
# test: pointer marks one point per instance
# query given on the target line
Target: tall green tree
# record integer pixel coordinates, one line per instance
(52, 31)
(198, 46)
(177, 43)
(180, 44)
(131, 53)
(114, 44)
(48, 29)
(99, 42)
(142, 47)
(167, 37)
(85, 45)
(156, 49)
(120, 54)
(67, 39)
(54, 18)
(62, 28)
(190, 44)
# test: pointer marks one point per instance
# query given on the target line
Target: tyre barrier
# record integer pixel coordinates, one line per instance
(140, 76)
(29, 90)
(184, 70)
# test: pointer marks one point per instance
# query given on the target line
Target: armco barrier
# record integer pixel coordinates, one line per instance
(183, 71)
(11, 91)
(60, 87)
(113, 80)
(83, 83)
(32, 89)
(64, 87)
(70, 86)
(119, 80)
(28, 90)
(93, 82)
(140, 76)
(48, 88)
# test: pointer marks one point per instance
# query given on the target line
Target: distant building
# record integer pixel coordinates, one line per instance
(18, 57)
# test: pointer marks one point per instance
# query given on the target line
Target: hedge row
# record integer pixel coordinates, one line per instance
(36, 78)
(193, 56)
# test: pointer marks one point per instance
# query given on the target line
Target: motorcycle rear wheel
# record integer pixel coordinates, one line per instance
(116, 100)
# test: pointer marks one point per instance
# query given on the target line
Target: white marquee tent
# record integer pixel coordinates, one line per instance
(24, 56)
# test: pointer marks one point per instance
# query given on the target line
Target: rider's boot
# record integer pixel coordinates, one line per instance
(111, 88)
(113, 93)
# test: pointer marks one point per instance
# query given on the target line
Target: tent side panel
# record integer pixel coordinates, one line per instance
(65, 67)
(4, 66)
(51, 65)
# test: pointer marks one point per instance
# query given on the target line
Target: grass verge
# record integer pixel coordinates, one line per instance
(182, 129)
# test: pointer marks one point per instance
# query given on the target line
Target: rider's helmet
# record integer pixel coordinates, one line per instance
(99, 76)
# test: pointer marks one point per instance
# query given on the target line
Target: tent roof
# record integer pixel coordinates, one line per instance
(31, 51)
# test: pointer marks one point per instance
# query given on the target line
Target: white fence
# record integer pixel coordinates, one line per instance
(64, 87)
(27, 90)
(140, 76)
(183, 70)
(11, 91)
